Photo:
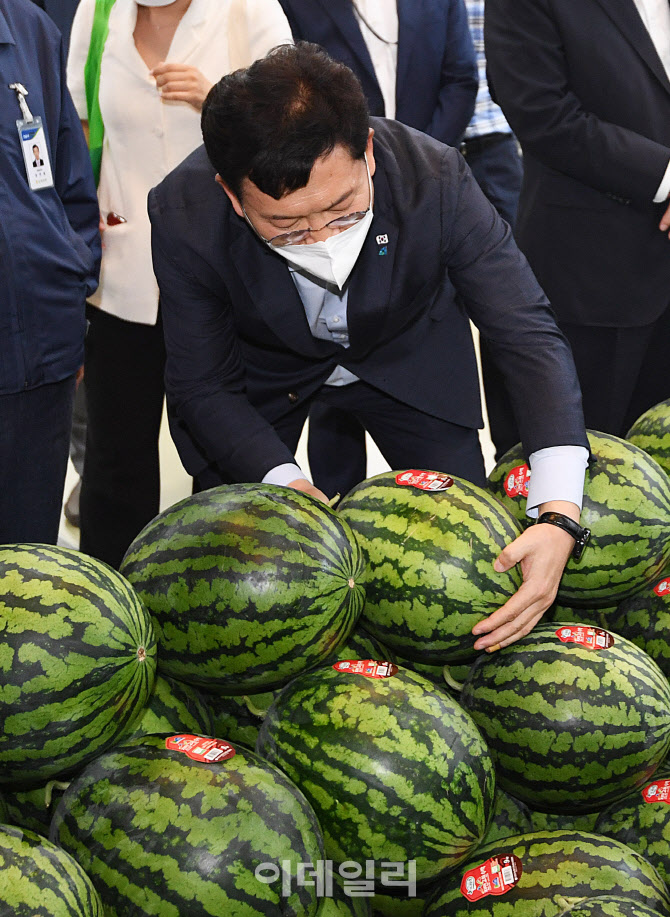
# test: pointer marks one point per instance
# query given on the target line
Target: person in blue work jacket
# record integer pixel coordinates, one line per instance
(49, 263)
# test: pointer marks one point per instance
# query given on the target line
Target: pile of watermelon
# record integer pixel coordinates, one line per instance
(276, 708)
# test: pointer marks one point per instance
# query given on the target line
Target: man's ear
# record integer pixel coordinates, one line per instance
(369, 152)
(234, 200)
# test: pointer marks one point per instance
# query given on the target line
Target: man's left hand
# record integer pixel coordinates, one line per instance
(181, 83)
(543, 551)
(664, 225)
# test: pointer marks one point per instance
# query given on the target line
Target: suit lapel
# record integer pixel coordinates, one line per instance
(342, 14)
(268, 282)
(625, 16)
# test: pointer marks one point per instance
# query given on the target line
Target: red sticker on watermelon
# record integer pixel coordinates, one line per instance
(496, 876)
(425, 480)
(201, 749)
(593, 638)
(516, 482)
(662, 588)
(371, 668)
(657, 792)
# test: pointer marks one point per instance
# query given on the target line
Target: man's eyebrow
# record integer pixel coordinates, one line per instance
(340, 200)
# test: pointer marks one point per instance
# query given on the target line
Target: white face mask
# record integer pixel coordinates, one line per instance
(332, 260)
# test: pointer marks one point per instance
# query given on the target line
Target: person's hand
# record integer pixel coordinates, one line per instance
(308, 488)
(79, 378)
(543, 551)
(181, 83)
(664, 225)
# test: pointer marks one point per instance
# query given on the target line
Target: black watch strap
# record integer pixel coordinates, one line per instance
(581, 535)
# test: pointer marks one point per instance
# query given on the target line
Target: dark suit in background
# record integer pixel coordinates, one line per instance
(436, 87)
(585, 92)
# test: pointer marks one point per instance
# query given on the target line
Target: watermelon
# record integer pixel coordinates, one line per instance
(341, 904)
(627, 509)
(558, 869)
(38, 879)
(430, 575)
(160, 833)
(33, 809)
(510, 817)
(239, 719)
(571, 729)
(174, 707)
(651, 432)
(610, 906)
(248, 584)
(395, 770)
(645, 620)
(558, 821)
(642, 821)
(77, 661)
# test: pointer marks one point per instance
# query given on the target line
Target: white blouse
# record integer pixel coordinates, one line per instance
(146, 137)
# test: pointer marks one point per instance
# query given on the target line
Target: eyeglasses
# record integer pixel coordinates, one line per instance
(299, 235)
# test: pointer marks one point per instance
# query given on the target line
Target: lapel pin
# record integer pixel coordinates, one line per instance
(382, 240)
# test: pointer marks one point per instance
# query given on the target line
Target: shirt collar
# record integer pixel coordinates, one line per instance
(6, 37)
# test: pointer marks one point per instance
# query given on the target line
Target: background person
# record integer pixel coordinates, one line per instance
(159, 61)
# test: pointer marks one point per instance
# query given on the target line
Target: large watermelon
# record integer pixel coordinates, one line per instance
(642, 821)
(160, 833)
(430, 554)
(395, 770)
(651, 432)
(38, 879)
(558, 869)
(645, 619)
(248, 585)
(627, 509)
(571, 729)
(610, 906)
(77, 660)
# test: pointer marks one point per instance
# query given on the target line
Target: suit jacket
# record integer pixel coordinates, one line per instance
(437, 81)
(240, 354)
(585, 92)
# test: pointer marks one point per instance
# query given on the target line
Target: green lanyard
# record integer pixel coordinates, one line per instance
(96, 129)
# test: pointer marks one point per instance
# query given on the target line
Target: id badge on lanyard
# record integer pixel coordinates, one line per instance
(33, 144)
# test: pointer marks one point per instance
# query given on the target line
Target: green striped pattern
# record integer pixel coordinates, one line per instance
(33, 809)
(510, 817)
(430, 575)
(627, 509)
(343, 905)
(38, 879)
(174, 707)
(643, 826)
(77, 661)
(651, 432)
(570, 729)
(239, 719)
(248, 585)
(610, 906)
(160, 834)
(557, 821)
(645, 620)
(394, 768)
(559, 869)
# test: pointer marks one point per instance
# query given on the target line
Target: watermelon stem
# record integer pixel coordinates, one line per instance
(49, 788)
(257, 711)
(333, 500)
(453, 684)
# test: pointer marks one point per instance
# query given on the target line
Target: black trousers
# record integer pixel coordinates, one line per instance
(406, 437)
(34, 444)
(120, 492)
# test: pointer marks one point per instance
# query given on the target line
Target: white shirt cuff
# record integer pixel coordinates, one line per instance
(663, 188)
(284, 474)
(557, 473)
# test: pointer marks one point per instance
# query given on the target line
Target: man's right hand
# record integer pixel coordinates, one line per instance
(308, 488)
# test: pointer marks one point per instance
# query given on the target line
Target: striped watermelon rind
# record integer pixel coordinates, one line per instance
(78, 661)
(644, 619)
(164, 836)
(610, 906)
(38, 879)
(651, 432)
(173, 707)
(559, 869)
(630, 525)
(248, 585)
(570, 729)
(430, 555)
(394, 768)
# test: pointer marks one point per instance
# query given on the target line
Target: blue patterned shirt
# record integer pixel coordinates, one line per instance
(488, 117)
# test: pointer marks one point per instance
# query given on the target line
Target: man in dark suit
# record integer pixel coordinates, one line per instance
(585, 90)
(416, 63)
(301, 279)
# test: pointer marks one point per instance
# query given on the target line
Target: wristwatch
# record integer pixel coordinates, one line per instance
(581, 535)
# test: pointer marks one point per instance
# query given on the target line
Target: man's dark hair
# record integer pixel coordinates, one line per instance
(272, 121)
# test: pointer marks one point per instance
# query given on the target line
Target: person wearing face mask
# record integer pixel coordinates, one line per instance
(139, 73)
(309, 252)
